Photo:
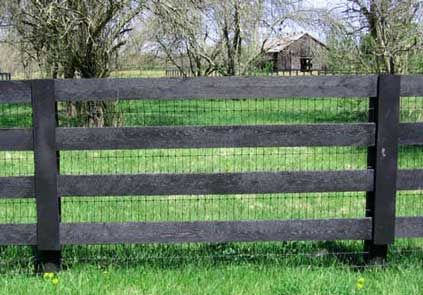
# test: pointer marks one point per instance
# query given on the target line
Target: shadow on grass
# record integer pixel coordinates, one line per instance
(282, 254)
(206, 255)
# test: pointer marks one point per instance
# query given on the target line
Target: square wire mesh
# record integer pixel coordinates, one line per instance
(410, 203)
(213, 112)
(16, 163)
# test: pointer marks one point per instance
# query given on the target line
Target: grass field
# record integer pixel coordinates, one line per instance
(259, 268)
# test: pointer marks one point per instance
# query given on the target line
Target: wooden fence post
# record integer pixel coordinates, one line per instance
(46, 170)
(380, 204)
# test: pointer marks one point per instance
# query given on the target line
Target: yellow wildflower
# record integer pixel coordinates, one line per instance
(55, 281)
(360, 283)
(48, 275)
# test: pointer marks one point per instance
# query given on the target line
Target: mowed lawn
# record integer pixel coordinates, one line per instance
(258, 268)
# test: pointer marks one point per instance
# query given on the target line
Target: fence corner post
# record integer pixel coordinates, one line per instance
(46, 174)
(383, 158)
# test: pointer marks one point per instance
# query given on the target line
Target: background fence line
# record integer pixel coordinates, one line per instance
(185, 72)
(5, 76)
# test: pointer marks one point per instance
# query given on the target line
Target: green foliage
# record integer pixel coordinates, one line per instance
(378, 36)
(340, 55)
(416, 62)
(350, 55)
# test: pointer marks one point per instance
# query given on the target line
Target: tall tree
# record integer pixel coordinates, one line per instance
(75, 38)
(182, 33)
(218, 36)
(385, 32)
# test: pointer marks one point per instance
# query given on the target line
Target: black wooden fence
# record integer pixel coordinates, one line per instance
(382, 135)
(5, 76)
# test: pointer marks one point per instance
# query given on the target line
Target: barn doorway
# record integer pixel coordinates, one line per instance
(306, 64)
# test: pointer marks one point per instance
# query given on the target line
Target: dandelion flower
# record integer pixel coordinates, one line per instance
(48, 275)
(55, 281)
(360, 283)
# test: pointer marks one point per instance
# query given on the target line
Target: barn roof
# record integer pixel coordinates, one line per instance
(281, 43)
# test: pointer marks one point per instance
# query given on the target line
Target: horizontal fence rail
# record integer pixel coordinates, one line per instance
(216, 231)
(216, 136)
(223, 183)
(15, 92)
(213, 87)
(20, 139)
(167, 232)
(48, 185)
(209, 184)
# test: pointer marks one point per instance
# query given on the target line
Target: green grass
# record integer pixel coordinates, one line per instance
(138, 73)
(258, 268)
(224, 269)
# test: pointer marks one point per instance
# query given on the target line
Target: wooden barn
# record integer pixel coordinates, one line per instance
(296, 52)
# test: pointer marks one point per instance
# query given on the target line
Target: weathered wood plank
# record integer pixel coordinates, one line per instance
(16, 139)
(23, 187)
(46, 166)
(103, 233)
(410, 179)
(16, 187)
(219, 183)
(15, 92)
(412, 85)
(386, 155)
(216, 87)
(216, 231)
(18, 234)
(411, 134)
(216, 136)
(409, 227)
(20, 139)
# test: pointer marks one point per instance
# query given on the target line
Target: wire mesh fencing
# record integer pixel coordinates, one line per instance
(17, 163)
(217, 160)
(410, 203)
(172, 208)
